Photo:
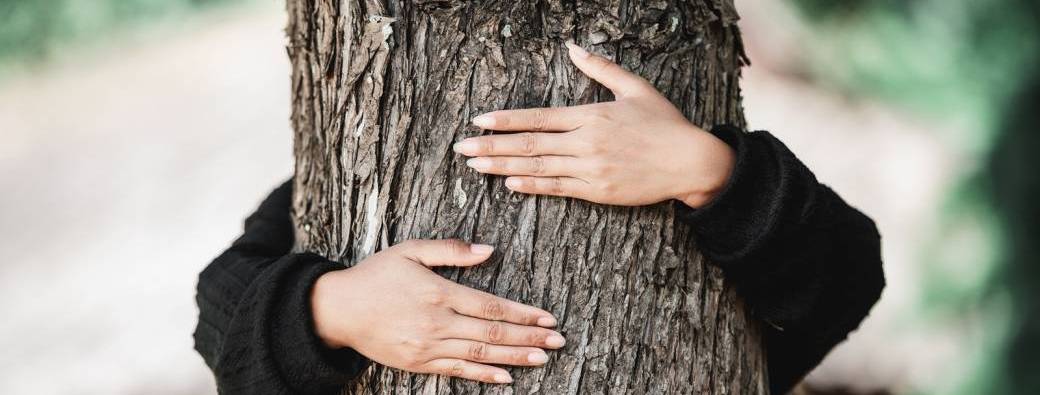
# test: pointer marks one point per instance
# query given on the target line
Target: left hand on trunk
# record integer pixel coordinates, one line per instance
(636, 150)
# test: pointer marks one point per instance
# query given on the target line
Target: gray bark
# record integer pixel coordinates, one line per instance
(383, 88)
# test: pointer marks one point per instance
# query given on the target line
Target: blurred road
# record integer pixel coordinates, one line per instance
(125, 172)
(123, 175)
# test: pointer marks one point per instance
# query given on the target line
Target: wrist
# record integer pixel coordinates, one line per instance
(324, 312)
(715, 162)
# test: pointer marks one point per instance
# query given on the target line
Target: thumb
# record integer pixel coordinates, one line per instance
(620, 81)
(450, 252)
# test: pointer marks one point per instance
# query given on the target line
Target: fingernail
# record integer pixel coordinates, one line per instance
(577, 50)
(537, 357)
(465, 146)
(512, 183)
(479, 163)
(555, 341)
(481, 249)
(503, 378)
(547, 321)
(484, 121)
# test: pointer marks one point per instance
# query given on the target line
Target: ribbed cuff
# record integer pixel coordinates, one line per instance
(307, 364)
(731, 224)
(755, 229)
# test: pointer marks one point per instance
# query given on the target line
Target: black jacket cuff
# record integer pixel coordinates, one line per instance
(733, 224)
(755, 229)
(307, 364)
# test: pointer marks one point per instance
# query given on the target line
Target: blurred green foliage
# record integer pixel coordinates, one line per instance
(1016, 191)
(958, 60)
(31, 30)
(974, 66)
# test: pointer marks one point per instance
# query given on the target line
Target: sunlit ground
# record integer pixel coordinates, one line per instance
(127, 168)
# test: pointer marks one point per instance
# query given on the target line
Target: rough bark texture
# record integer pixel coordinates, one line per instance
(383, 88)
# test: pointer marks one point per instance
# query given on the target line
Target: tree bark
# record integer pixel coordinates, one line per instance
(383, 88)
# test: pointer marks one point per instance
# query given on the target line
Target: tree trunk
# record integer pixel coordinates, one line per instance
(383, 88)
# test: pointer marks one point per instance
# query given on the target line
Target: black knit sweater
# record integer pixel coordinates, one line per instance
(807, 263)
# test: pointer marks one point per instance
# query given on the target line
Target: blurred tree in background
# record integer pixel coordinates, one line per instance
(971, 65)
(1016, 191)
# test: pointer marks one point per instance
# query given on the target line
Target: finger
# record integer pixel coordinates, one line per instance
(535, 166)
(450, 252)
(559, 119)
(620, 81)
(475, 351)
(479, 304)
(502, 333)
(517, 144)
(468, 370)
(553, 186)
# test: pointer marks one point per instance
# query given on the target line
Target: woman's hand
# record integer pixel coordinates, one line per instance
(394, 310)
(636, 150)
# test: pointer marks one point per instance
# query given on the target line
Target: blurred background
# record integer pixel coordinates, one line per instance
(135, 135)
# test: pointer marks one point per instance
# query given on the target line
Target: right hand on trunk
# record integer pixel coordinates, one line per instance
(394, 310)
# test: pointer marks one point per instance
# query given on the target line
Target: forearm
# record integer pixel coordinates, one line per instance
(262, 340)
(255, 327)
(808, 264)
(846, 279)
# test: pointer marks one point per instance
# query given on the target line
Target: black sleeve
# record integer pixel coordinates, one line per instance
(255, 328)
(807, 263)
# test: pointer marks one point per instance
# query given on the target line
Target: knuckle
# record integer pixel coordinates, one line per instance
(594, 118)
(411, 363)
(519, 357)
(455, 369)
(486, 145)
(487, 377)
(429, 325)
(527, 318)
(537, 165)
(587, 145)
(417, 364)
(493, 309)
(540, 119)
(499, 164)
(556, 186)
(416, 357)
(495, 333)
(528, 184)
(600, 168)
(596, 143)
(456, 247)
(597, 61)
(536, 338)
(528, 142)
(435, 295)
(477, 352)
(601, 64)
(423, 347)
(416, 347)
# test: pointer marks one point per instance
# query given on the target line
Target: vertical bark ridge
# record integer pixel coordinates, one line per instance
(381, 89)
